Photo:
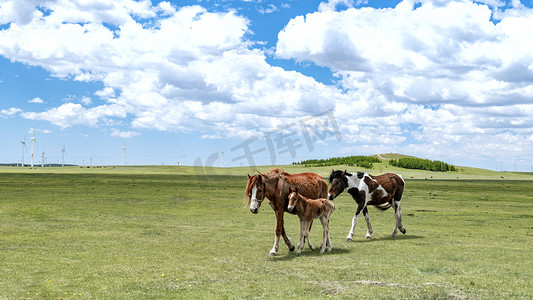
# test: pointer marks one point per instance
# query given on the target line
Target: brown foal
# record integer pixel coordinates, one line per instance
(307, 210)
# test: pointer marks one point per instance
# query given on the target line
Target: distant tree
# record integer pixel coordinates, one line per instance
(422, 164)
(359, 161)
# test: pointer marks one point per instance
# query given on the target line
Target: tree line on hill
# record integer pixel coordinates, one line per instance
(422, 164)
(359, 161)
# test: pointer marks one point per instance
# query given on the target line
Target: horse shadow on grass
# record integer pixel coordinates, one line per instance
(386, 239)
(343, 249)
(306, 252)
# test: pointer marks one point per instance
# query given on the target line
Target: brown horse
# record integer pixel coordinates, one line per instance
(308, 210)
(274, 185)
(382, 191)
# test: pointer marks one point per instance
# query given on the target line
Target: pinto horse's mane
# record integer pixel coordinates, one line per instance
(338, 174)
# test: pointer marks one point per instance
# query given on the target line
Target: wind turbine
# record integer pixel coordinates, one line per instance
(183, 158)
(123, 151)
(42, 161)
(222, 158)
(23, 142)
(63, 156)
(32, 140)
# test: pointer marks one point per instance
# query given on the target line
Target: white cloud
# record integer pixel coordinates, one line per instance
(190, 69)
(271, 8)
(166, 8)
(86, 101)
(414, 55)
(106, 93)
(36, 100)
(124, 134)
(4, 113)
(444, 67)
(70, 114)
(332, 5)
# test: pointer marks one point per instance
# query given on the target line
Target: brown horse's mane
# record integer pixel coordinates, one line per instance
(276, 172)
(287, 180)
(251, 182)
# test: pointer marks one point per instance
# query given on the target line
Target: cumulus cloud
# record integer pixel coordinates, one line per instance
(421, 73)
(70, 114)
(86, 100)
(36, 100)
(124, 134)
(189, 69)
(448, 67)
(435, 53)
(4, 113)
(268, 10)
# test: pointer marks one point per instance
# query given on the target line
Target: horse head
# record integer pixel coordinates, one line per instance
(339, 182)
(255, 192)
(293, 198)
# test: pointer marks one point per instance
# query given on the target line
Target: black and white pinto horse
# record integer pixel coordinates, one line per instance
(383, 191)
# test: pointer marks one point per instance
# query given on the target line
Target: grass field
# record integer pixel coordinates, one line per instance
(166, 233)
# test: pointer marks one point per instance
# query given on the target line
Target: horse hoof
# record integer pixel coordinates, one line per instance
(368, 237)
(292, 248)
(272, 253)
(348, 239)
(298, 252)
(402, 230)
(312, 248)
(322, 251)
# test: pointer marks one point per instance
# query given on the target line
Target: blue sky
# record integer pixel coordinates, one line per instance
(267, 81)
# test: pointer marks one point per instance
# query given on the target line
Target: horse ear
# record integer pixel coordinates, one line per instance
(343, 173)
(249, 176)
(290, 190)
(296, 190)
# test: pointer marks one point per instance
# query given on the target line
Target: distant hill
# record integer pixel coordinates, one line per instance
(394, 159)
(35, 165)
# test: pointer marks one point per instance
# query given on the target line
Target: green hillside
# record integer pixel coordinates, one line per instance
(380, 167)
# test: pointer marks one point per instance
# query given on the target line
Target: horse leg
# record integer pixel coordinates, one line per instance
(307, 237)
(324, 222)
(398, 216)
(368, 225)
(301, 240)
(400, 225)
(287, 239)
(360, 207)
(307, 228)
(278, 230)
(329, 237)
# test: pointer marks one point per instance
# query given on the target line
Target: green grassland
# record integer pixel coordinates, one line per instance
(183, 232)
